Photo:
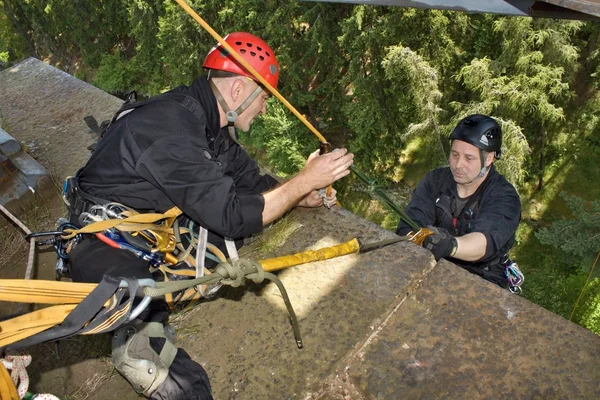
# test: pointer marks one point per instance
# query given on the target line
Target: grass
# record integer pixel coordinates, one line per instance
(272, 238)
(4, 122)
(36, 216)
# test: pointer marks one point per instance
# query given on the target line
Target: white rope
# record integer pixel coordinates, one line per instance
(200, 254)
(17, 364)
(15, 220)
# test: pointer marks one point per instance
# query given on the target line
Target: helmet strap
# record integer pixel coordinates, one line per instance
(483, 167)
(233, 115)
(483, 170)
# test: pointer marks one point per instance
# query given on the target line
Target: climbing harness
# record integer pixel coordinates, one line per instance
(84, 308)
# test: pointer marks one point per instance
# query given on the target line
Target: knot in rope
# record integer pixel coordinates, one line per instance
(233, 271)
(238, 270)
(17, 364)
(372, 185)
(253, 269)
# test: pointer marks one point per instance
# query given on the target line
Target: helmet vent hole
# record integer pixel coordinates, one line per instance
(261, 58)
(253, 54)
(249, 44)
(243, 51)
(259, 48)
(238, 43)
(267, 53)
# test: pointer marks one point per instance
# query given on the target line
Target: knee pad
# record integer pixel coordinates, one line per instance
(136, 360)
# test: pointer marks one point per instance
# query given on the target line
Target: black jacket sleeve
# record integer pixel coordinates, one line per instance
(499, 216)
(180, 166)
(246, 174)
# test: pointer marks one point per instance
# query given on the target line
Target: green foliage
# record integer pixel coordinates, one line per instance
(282, 138)
(112, 74)
(13, 47)
(515, 150)
(578, 237)
(587, 314)
(575, 243)
(405, 67)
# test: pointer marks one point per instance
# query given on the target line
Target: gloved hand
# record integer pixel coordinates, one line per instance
(442, 244)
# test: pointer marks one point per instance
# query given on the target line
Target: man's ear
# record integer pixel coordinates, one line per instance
(489, 159)
(237, 89)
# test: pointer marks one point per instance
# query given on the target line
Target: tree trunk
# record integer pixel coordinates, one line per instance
(542, 165)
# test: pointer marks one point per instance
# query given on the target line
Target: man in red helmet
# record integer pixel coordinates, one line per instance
(472, 209)
(180, 149)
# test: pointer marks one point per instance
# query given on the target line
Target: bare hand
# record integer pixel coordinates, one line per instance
(315, 199)
(322, 170)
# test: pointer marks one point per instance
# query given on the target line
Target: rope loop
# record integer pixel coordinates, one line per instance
(258, 273)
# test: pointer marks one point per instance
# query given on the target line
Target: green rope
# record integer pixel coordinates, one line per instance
(232, 274)
(373, 187)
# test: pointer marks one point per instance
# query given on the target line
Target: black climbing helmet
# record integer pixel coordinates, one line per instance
(481, 131)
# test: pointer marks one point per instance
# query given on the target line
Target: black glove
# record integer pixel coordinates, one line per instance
(441, 244)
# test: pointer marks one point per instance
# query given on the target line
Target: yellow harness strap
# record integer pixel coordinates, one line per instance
(132, 222)
(46, 292)
(66, 294)
(8, 390)
(28, 325)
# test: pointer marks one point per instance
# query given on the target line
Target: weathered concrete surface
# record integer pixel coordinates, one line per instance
(43, 108)
(459, 337)
(384, 325)
(21, 176)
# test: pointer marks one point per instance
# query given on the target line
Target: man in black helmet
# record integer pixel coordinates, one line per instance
(473, 210)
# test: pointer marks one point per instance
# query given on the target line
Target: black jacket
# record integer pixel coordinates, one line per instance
(494, 210)
(161, 155)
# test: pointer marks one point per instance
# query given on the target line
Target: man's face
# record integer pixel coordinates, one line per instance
(465, 162)
(257, 107)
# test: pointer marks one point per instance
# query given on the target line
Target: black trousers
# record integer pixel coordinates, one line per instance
(89, 261)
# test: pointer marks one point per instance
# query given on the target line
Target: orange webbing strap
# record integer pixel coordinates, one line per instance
(277, 263)
(131, 223)
(8, 391)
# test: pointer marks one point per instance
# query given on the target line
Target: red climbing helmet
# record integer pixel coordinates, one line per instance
(253, 49)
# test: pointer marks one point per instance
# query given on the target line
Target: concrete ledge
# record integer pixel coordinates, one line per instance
(460, 337)
(22, 178)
